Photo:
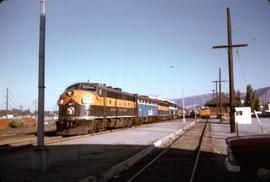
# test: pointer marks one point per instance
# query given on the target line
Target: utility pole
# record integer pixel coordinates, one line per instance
(219, 96)
(230, 60)
(265, 101)
(7, 103)
(195, 108)
(41, 75)
(220, 104)
(213, 93)
(21, 109)
(214, 97)
(35, 105)
(216, 81)
(184, 119)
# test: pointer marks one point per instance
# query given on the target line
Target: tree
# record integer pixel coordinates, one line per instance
(237, 99)
(252, 100)
(256, 103)
(248, 97)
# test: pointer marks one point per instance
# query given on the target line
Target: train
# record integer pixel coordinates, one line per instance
(86, 107)
(205, 112)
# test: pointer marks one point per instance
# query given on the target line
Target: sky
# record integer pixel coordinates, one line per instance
(149, 47)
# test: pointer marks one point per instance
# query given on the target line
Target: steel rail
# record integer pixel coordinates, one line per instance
(198, 154)
(166, 149)
(158, 156)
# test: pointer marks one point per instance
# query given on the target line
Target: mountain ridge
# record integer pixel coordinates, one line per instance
(198, 101)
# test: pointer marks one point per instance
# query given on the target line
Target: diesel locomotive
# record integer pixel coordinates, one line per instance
(205, 112)
(91, 107)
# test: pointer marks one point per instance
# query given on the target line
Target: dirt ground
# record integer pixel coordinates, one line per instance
(25, 130)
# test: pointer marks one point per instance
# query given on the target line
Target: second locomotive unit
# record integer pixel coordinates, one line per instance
(90, 107)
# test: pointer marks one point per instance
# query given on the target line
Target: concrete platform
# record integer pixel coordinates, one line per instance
(254, 128)
(220, 131)
(91, 158)
(214, 151)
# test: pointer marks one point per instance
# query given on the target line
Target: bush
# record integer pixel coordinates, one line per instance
(15, 123)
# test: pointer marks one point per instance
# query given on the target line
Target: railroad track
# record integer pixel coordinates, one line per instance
(177, 162)
(25, 140)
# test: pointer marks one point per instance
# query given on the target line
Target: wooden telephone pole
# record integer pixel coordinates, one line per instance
(220, 95)
(216, 81)
(230, 60)
(213, 93)
(219, 102)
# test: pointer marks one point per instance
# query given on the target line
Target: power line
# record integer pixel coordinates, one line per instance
(241, 68)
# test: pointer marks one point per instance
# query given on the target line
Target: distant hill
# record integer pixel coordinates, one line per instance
(200, 100)
(264, 95)
(194, 101)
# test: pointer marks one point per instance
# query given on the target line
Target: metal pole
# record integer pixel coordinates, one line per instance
(195, 108)
(264, 107)
(35, 106)
(7, 104)
(217, 101)
(231, 79)
(220, 104)
(216, 97)
(184, 119)
(41, 75)
(213, 93)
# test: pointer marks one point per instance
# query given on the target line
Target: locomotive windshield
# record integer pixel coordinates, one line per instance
(88, 87)
(83, 86)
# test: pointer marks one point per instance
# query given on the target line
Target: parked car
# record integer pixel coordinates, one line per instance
(250, 154)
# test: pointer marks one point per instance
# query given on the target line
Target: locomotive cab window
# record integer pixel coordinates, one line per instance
(99, 92)
(88, 87)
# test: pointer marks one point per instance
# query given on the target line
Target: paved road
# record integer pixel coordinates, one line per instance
(140, 135)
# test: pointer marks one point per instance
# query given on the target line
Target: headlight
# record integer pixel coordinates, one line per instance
(87, 100)
(70, 110)
(71, 93)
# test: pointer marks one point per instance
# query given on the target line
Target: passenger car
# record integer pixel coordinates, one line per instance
(250, 154)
